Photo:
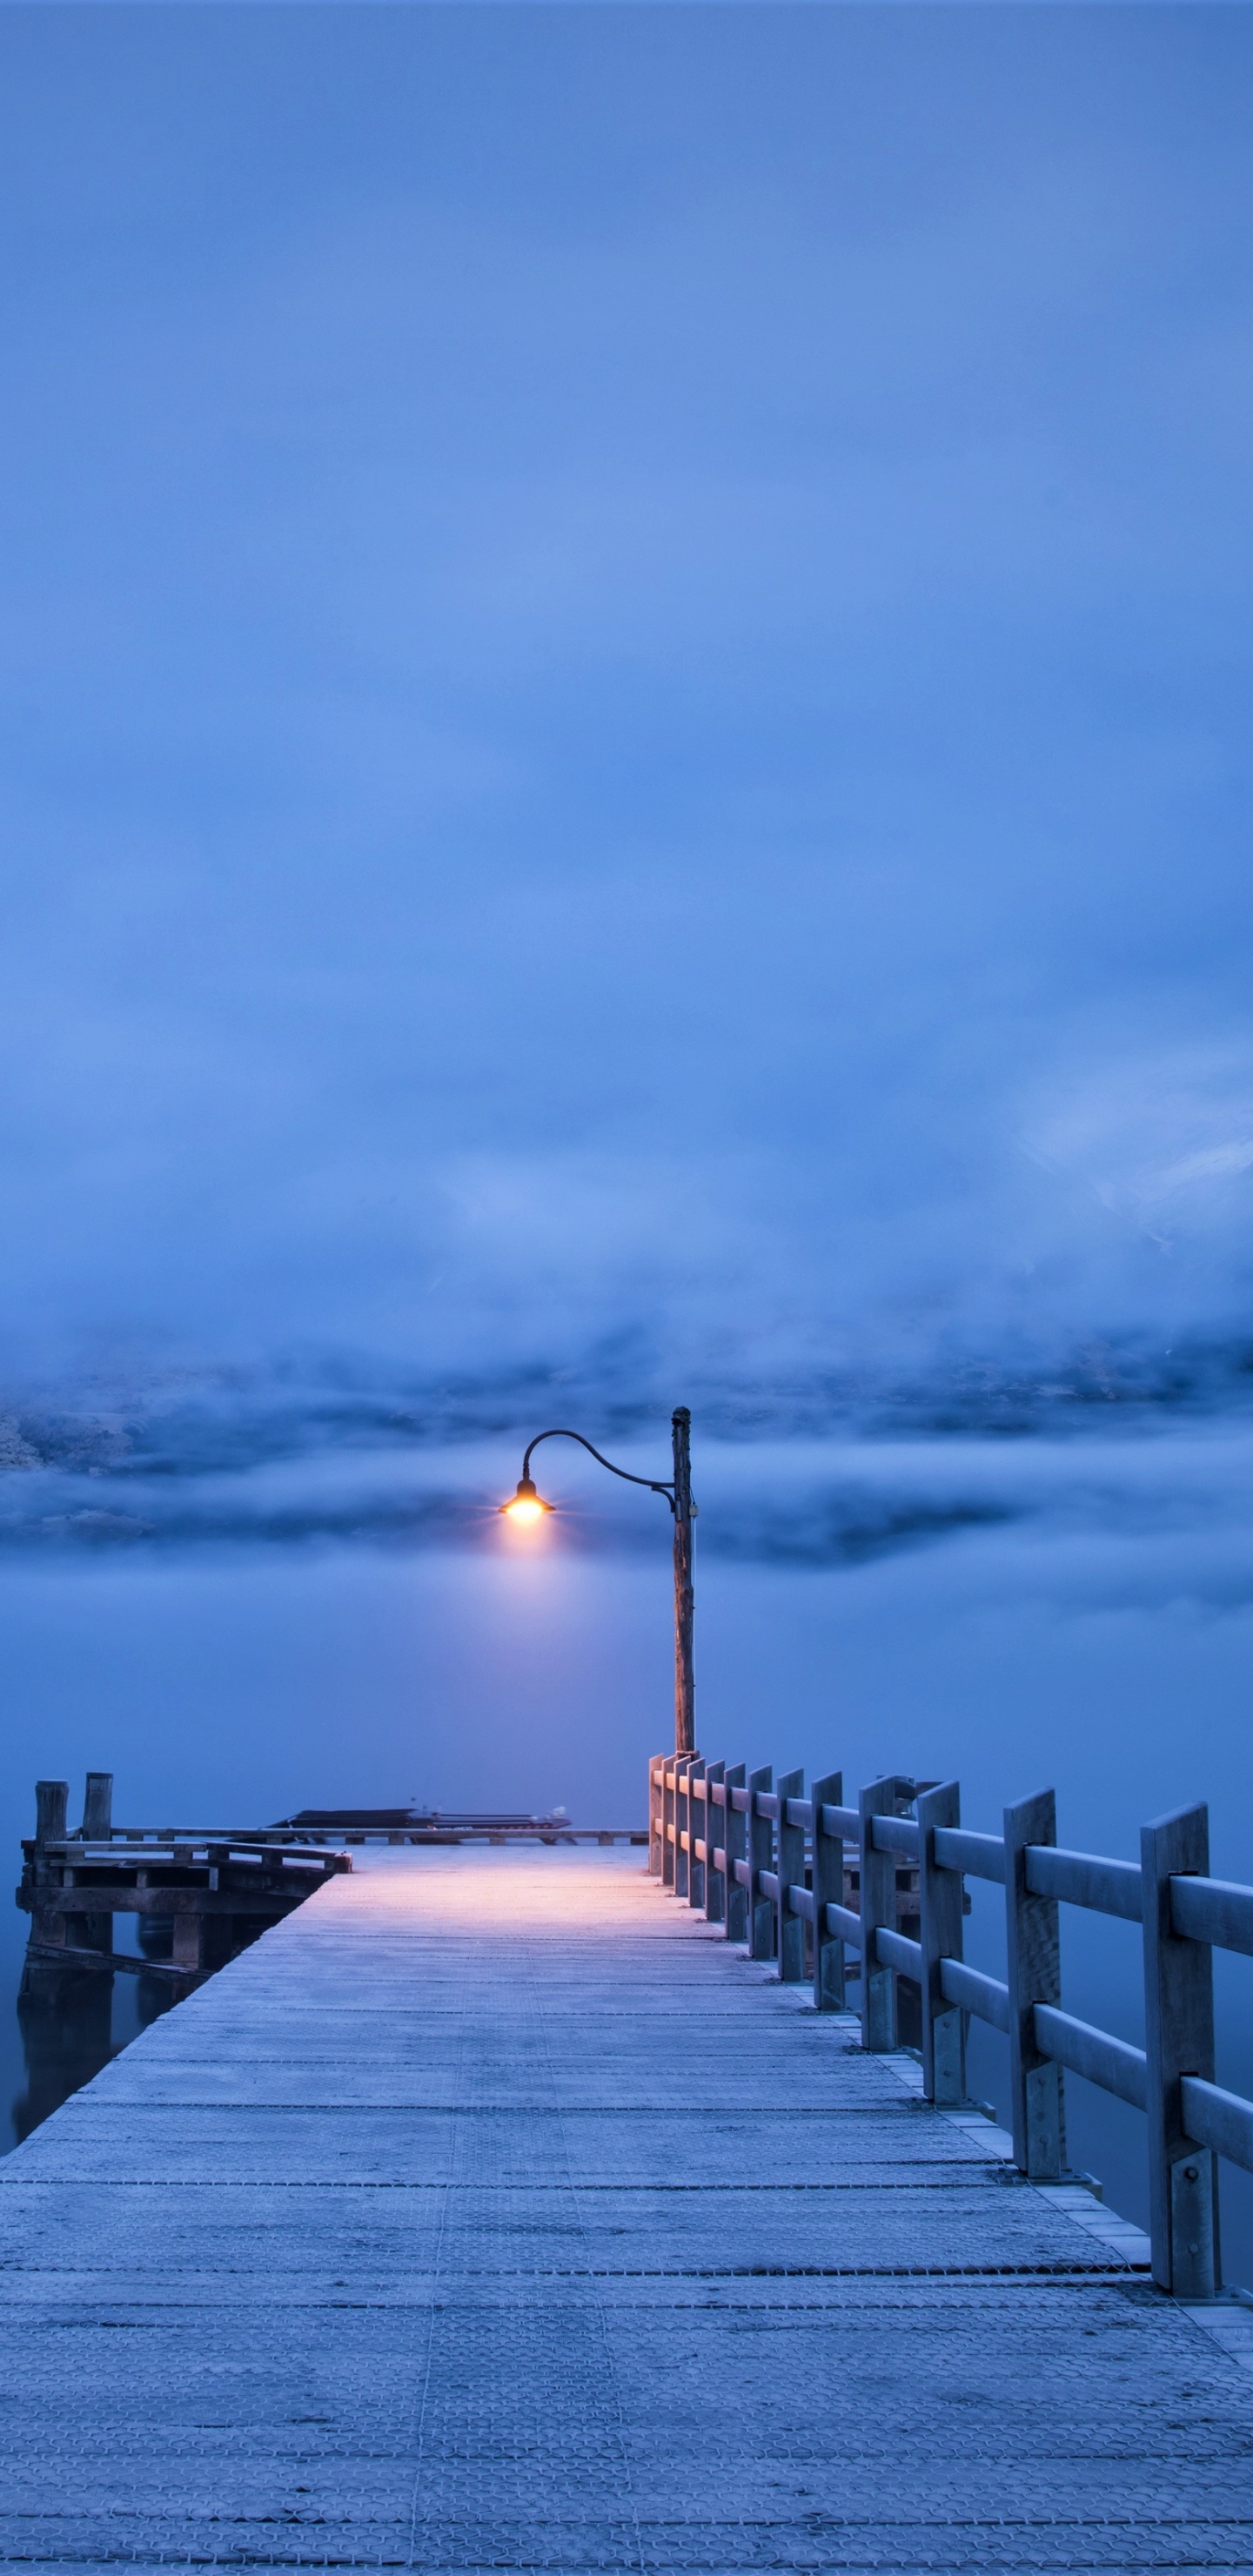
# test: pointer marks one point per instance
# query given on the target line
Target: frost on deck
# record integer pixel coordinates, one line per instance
(492, 2213)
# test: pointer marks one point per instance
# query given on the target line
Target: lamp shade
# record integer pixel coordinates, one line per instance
(526, 1504)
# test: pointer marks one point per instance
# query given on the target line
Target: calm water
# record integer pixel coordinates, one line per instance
(1070, 1611)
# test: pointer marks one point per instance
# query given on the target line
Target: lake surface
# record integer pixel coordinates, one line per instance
(1074, 1611)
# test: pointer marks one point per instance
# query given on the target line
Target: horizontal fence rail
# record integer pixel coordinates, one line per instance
(807, 1881)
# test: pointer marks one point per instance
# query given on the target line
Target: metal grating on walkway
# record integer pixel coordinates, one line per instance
(491, 2213)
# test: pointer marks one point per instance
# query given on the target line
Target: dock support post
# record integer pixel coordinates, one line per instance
(760, 1856)
(188, 1942)
(790, 1936)
(878, 1906)
(716, 1837)
(95, 1931)
(940, 1933)
(52, 1797)
(828, 1890)
(97, 1825)
(1178, 2040)
(1033, 1947)
(669, 1812)
(737, 1849)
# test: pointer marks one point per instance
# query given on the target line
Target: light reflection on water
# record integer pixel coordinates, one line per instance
(1098, 1637)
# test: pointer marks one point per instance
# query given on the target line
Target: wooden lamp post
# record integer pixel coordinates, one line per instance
(528, 1505)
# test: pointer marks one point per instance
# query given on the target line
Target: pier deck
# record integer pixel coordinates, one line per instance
(491, 2212)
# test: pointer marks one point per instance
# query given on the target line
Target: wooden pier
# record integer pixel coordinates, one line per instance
(210, 1894)
(205, 1894)
(494, 2211)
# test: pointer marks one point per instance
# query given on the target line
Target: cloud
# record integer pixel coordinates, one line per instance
(620, 696)
(1163, 1141)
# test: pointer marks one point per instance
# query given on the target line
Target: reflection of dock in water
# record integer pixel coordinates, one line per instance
(66, 2022)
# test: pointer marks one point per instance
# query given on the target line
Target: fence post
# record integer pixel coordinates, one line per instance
(760, 1856)
(669, 1806)
(1033, 1947)
(940, 1933)
(828, 1890)
(682, 1822)
(698, 1829)
(790, 1935)
(877, 1874)
(716, 1837)
(737, 1849)
(1178, 2040)
(656, 1817)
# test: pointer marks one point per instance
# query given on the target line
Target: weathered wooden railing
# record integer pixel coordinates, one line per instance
(774, 1868)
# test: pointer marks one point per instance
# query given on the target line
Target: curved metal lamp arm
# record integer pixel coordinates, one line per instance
(624, 1472)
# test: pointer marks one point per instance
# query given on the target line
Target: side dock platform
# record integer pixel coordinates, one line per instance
(491, 2212)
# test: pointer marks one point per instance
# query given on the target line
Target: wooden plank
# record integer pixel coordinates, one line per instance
(975, 1855)
(172, 1900)
(1212, 1909)
(1081, 1878)
(988, 1997)
(1092, 2053)
(66, 1955)
(1221, 2120)
(896, 1951)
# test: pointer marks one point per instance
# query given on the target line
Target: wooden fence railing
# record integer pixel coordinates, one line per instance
(775, 1869)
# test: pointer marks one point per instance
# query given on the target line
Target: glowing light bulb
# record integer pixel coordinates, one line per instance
(526, 1505)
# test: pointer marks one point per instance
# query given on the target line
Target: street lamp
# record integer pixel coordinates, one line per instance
(528, 1505)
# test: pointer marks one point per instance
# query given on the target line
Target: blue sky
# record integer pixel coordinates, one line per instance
(627, 668)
